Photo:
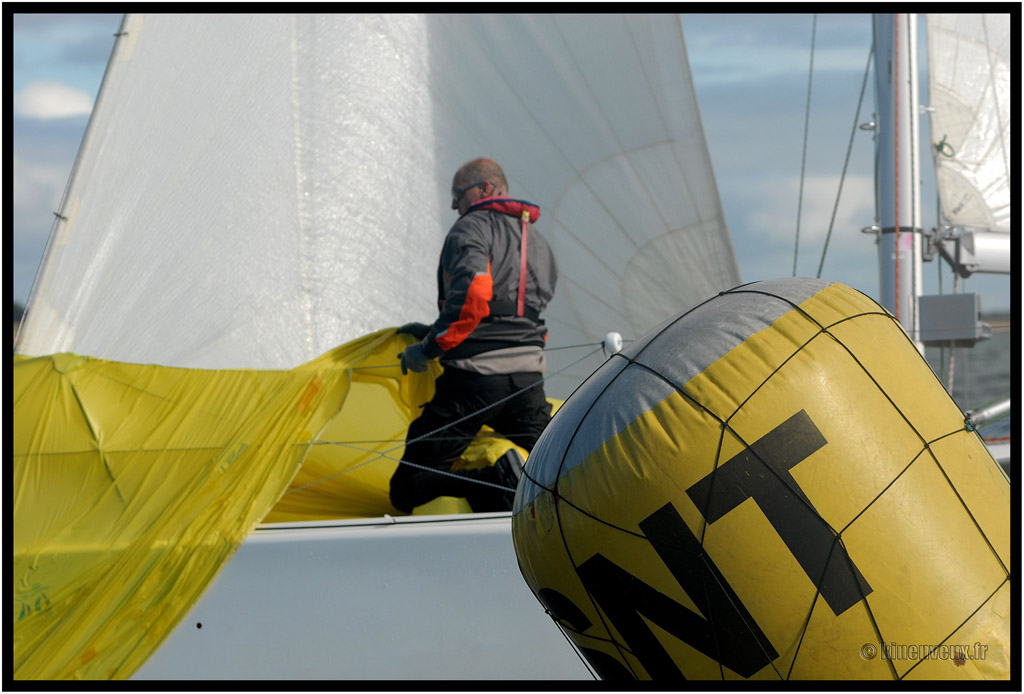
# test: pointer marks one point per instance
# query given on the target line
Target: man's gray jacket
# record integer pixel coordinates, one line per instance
(478, 279)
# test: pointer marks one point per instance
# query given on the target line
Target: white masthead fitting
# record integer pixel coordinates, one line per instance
(612, 343)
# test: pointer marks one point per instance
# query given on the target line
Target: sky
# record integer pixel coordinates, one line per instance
(751, 76)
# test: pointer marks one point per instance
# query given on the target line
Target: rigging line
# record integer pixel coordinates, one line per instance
(496, 403)
(384, 454)
(803, 161)
(849, 149)
(546, 349)
(400, 462)
(474, 437)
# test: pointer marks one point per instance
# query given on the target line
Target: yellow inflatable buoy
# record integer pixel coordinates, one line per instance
(773, 485)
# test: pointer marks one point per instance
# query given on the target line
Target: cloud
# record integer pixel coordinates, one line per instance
(51, 100)
(762, 216)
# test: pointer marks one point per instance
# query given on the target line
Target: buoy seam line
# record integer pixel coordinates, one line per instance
(561, 530)
(723, 423)
(572, 562)
(924, 442)
(837, 536)
(701, 556)
(967, 508)
(722, 427)
(927, 447)
(558, 624)
(837, 539)
(960, 626)
(877, 385)
(680, 389)
(601, 639)
(803, 632)
(558, 518)
(710, 617)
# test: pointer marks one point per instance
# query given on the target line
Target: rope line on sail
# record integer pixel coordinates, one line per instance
(824, 331)
(803, 160)
(846, 162)
(384, 454)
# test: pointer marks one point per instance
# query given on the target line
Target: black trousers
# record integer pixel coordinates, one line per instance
(458, 394)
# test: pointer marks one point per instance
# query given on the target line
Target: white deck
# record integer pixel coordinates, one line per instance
(420, 597)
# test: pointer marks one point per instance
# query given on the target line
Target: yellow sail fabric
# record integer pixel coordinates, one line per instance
(134, 484)
(347, 471)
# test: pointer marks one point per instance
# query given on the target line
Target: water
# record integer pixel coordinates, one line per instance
(982, 375)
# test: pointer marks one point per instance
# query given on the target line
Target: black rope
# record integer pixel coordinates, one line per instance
(384, 454)
(724, 426)
(960, 626)
(803, 161)
(846, 162)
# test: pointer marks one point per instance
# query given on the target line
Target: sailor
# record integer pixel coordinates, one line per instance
(495, 277)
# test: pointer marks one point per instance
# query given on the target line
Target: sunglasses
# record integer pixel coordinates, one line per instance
(457, 193)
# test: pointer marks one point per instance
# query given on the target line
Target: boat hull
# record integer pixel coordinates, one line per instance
(420, 597)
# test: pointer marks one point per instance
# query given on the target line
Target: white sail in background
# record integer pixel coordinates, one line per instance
(254, 190)
(969, 80)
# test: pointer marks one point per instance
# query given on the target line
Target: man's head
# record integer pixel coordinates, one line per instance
(477, 179)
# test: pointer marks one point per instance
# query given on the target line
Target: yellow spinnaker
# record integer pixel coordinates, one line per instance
(134, 484)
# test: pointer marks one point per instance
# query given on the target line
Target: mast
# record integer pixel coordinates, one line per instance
(897, 174)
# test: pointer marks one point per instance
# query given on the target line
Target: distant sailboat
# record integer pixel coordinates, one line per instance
(253, 191)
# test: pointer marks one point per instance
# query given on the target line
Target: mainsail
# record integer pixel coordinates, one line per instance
(969, 81)
(254, 190)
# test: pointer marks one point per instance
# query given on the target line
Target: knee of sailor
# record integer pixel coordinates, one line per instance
(400, 493)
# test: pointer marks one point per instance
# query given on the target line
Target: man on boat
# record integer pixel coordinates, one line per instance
(495, 277)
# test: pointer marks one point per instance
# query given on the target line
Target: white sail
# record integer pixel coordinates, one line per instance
(969, 80)
(254, 190)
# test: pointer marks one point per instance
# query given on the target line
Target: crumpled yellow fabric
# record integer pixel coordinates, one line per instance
(134, 484)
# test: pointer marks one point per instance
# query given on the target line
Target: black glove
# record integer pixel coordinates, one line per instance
(417, 330)
(414, 358)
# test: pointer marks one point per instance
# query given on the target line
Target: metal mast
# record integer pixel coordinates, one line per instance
(897, 175)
